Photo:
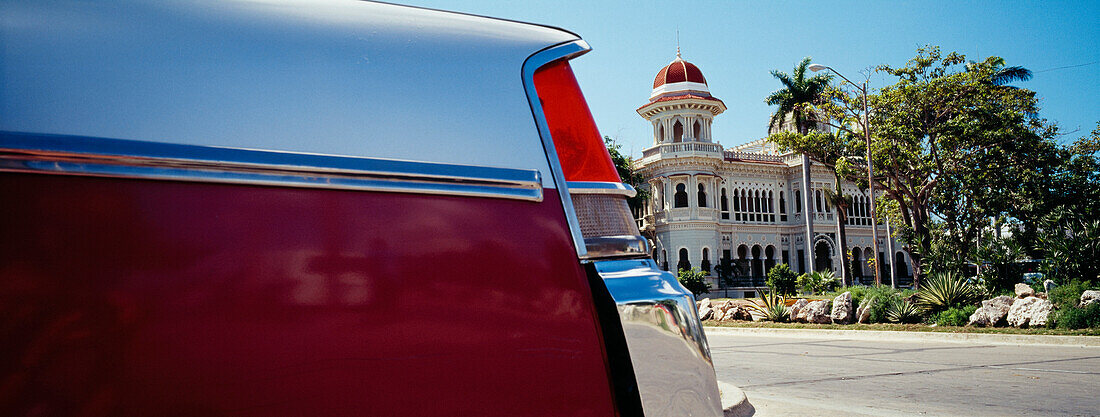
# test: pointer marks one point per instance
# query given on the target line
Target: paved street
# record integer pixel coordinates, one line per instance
(836, 376)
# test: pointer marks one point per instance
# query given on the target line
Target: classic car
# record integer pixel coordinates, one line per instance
(319, 208)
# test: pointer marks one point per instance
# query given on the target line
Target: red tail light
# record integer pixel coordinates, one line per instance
(581, 151)
(597, 192)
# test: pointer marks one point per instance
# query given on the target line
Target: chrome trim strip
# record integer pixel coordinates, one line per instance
(668, 349)
(539, 59)
(100, 157)
(593, 187)
(616, 246)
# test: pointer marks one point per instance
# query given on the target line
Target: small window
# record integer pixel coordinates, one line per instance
(681, 196)
(702, 196)
(696, 131)
(678, 132)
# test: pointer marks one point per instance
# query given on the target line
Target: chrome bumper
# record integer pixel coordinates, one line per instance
(667, 346)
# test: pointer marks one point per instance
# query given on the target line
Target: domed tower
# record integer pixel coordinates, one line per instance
(680, 107)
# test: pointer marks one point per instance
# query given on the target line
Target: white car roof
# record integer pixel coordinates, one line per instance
(331, 77)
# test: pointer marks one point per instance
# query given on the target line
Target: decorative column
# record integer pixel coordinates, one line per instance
(807, 204)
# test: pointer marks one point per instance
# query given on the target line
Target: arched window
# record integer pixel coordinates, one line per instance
(757, 263)
(696, 130)
(769, 258)
(702, 196)
(678, 132)
(782, 208)
(724, 205)
(683, 263)
(857, 263)
(771, 207)
(900, 266)
(759, 206)
(797, 201)
(737, 204)
(742, 263)
(681, 196)
(823, 257)
(745, 205)
(705, 263)
(817, 206)
(661, 134)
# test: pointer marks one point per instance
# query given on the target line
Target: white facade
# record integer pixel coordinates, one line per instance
(742, 203)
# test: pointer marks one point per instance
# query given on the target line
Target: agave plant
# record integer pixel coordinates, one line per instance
(946, 290)
(901, 311)
(772, 307)
(818, 282)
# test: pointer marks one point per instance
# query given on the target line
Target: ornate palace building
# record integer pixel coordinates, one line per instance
(740, 209)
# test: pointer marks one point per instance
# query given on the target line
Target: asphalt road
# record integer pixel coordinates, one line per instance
(833, 376)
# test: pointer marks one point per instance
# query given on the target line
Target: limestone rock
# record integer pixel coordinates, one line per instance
(723, 308)
(1040, 312)
(737, 312)
(815, 312)
(842, 308)
(704, 303)
(1089, 297)
(706, 313)
(1024, 290)
(863, 314)
(1020, 313)
(992, 311)
(1049, 285)
(797, 308)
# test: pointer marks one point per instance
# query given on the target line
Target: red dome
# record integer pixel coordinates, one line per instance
(677, 72)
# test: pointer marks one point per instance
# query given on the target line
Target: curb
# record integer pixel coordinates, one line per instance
(734, 402)
(997, 339)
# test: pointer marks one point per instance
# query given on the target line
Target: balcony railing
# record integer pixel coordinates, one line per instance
(684, 149)
(749, 156)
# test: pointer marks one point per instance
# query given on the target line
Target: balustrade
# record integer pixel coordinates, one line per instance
(684, 149)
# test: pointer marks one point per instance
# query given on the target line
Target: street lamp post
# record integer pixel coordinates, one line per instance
(870, 169)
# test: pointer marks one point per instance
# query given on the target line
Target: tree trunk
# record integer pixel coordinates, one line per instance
(841, 217)
(924, 244)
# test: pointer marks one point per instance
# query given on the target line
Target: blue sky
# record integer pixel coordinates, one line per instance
(737, 43)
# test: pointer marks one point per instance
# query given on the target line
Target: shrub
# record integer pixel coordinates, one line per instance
(781, 280)
(694, 280)
(881, 297)
(954, 316)
(901, 311)
(1067, 296)
(946, 290)
(1077, 317)
(818, 282)
(773, 308)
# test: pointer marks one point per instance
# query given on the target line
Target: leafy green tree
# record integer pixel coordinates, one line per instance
(997, 259)
(781, 280)
(624, 164)
(1072, 246)
(694, 280)
(948, 143)
(834, 151)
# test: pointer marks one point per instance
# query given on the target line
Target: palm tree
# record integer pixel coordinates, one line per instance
(797, 94)
(1002, 75)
